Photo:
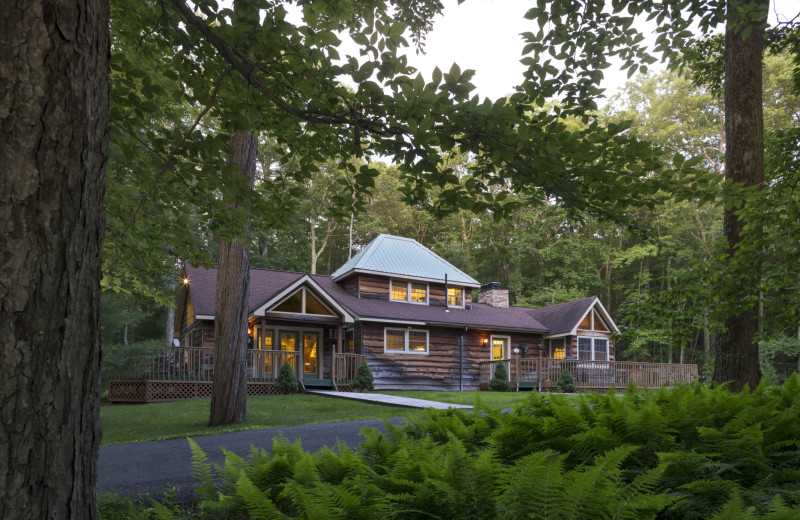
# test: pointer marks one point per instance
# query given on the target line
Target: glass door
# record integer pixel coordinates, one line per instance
(288, 343)
(310, 352)
(499, 348)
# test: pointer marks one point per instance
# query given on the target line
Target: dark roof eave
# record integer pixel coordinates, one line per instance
(408, 277)
(458, 325)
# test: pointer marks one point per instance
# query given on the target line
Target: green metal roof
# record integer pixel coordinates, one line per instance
(406, 257)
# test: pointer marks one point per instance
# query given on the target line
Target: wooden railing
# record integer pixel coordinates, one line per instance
(590, 375)
(345, 367)
(197, 364)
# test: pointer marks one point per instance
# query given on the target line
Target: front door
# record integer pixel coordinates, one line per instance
(500, 347)
(289, 342)
(310, 355)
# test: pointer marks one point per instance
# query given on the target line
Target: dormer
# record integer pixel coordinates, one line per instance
(402, 270)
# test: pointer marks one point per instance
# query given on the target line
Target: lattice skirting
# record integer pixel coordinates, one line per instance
(150, 391)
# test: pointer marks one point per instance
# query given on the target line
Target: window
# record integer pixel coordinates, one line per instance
(455, 297)
(406, 341)
(409, 292)
(593, 321)
(593, 349)
(500, 347)
(303, 302)
(557, 349)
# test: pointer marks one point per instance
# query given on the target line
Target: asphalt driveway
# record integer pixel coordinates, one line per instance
(150, 468)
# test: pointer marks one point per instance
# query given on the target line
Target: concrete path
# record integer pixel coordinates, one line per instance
(389, 400)
(150, 468)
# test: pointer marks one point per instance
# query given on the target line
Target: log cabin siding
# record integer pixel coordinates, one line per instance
(371, 286)
(444, 367)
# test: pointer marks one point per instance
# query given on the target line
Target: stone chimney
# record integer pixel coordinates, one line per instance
(492, 294)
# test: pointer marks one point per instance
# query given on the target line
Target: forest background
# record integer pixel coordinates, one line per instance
(648, 271)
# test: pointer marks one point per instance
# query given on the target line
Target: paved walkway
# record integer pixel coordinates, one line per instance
(151, 468)
(390, 400)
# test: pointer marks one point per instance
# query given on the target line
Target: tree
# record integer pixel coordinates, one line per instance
(363, 380)
(53, 148)
(499, 381)
(566, 383)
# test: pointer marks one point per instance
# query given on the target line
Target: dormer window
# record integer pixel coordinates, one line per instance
(455, 297)
(410, 292)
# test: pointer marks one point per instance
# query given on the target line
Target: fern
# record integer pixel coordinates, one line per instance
(201, 471)
(258, 505)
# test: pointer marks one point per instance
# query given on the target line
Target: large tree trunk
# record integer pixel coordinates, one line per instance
(229, 389)
(737, 352)
(53, 150)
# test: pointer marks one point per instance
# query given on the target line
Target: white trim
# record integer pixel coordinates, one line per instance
(398, 322)
(406, 333)
(303, 303)
(565, 334)
(491, 346)
(291, 288)
(406, 277)
(605, 315)
(203, 316)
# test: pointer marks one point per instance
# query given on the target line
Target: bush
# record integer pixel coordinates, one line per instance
(126, 361)
(287, 381)
(566, 384)
(363, 379)
(499, 382)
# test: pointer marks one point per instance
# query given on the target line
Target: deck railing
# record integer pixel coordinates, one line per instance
(197, 364)
(345, 367)
(590, 375)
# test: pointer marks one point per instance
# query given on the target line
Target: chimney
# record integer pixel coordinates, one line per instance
(492, 294)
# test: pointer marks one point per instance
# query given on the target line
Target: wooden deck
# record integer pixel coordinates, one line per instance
(188, 372)
(588, 375)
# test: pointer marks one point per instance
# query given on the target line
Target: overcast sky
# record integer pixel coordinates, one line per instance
(484, 35)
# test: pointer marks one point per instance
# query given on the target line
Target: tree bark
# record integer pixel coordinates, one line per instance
(53, 151)
(737, 352)
(229, 389)
(170, 332)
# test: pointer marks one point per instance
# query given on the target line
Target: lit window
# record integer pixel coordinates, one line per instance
(500, 347)
(419, 293)
(399, 291)
(409, 292)
(406, 340)
(593, 349)
(303, 302)
(455, 297)
(586, 323)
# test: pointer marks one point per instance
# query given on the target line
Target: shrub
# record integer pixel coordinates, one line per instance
(363, 379)
(499, 382)
(566, 384)
(287, 381)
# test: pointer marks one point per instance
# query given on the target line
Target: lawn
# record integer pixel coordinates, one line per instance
(147, 422)
(502, 400)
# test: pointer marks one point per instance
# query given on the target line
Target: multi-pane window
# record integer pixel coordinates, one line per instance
(395, 340)
(500, 347)
(406, 340)
(455, 297)
(419, 293)
(409, 292)
(593, 349)
(399, 291)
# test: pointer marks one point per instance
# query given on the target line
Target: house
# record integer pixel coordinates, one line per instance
(404, 309)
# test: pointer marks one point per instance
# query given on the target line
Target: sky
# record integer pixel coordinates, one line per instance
(484, 35)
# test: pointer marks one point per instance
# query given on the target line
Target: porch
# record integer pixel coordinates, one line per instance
(187, 372)
(543, 373)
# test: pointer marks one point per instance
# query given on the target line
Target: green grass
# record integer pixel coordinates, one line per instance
(157, 421)
(503, 400)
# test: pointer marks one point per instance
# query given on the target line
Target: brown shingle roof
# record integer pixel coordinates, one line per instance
(563, 317)
(265, 284)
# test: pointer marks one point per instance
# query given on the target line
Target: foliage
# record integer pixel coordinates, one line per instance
(363, 379)
(691, 452)
(566, 383)
(126, 361)
(499, 381)
(286, 383)
(780, 356)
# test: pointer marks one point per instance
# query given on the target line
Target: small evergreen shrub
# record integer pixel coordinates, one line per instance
(566, 384)
(287, 381)
(499, 382)
(363, 379)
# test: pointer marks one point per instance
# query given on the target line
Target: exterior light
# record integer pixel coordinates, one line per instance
(185, 281)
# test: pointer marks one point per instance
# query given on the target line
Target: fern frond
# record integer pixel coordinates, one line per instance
(258, 505)
(201, 471)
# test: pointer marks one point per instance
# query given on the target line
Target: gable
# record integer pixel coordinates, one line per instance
(303, 296)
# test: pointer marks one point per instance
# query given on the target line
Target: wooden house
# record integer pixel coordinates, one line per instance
(404, 310)
(407, 310)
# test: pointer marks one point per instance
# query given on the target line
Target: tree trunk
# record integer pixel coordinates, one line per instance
(737, 352)
(229, 389)
(53, 150)
(170, 332)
